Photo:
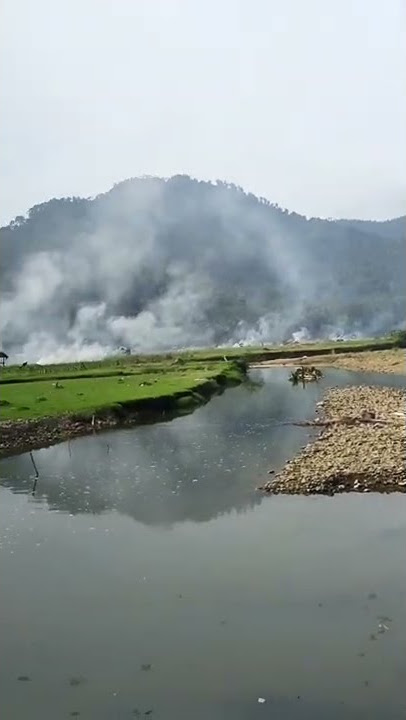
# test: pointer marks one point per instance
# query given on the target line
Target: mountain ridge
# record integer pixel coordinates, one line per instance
(158, 263)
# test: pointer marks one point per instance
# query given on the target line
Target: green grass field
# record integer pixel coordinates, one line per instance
(37, 391)
(172, 362)
(95, 369)
(271, 352)
(87, 395)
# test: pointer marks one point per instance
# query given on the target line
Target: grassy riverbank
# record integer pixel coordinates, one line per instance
(63, 394)
(276, 352)
(36, 391)
(79, 398)
(40, 404)
(192, 359)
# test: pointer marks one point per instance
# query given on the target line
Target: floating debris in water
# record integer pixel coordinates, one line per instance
(305, 374)
(261, 700)
(372, 596)
(75, 681)
(24, 678)
(146, 667)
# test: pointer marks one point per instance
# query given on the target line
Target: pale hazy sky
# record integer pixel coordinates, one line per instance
(302, 101)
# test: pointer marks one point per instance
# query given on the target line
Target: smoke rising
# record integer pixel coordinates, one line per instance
(156, 265)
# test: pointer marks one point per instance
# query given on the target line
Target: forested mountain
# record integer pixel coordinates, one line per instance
(157, 263)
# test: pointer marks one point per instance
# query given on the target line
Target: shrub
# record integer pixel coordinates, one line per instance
(399, 338)
(242, 364)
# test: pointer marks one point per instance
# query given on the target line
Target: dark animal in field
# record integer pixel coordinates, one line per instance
(3, 357)
(24, 365)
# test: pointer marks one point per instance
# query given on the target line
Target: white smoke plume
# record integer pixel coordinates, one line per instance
(158, 265)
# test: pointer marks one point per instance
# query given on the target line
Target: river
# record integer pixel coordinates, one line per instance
(143, 575)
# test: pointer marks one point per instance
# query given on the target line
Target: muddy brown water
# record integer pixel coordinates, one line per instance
(146, 577)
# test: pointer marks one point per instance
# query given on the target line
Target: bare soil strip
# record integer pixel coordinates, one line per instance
(387, 361)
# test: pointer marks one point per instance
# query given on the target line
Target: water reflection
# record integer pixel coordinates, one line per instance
(192, 468)
(103, 617)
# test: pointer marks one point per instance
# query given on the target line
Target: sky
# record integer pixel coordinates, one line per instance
(300, 101)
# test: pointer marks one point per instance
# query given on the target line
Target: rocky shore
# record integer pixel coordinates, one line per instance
(361, 448)
(24, 435)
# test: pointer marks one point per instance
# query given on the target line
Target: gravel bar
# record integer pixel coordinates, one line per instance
(361, 449)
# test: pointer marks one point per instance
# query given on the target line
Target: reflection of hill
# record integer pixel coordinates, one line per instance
(193, 468)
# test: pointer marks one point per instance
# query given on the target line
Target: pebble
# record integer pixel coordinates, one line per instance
(360, 457)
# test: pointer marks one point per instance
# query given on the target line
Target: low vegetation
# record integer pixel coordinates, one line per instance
(44, 405)
(71, 390)
(399, 338)
(35, 391)
(191, 359)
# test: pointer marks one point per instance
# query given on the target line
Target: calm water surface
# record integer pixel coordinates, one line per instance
(146, 577)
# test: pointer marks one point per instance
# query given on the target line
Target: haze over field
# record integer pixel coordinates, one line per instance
(160, 264)
(300, 103)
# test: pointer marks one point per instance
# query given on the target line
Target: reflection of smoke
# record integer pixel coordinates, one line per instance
(191, 468)
(158, 265)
